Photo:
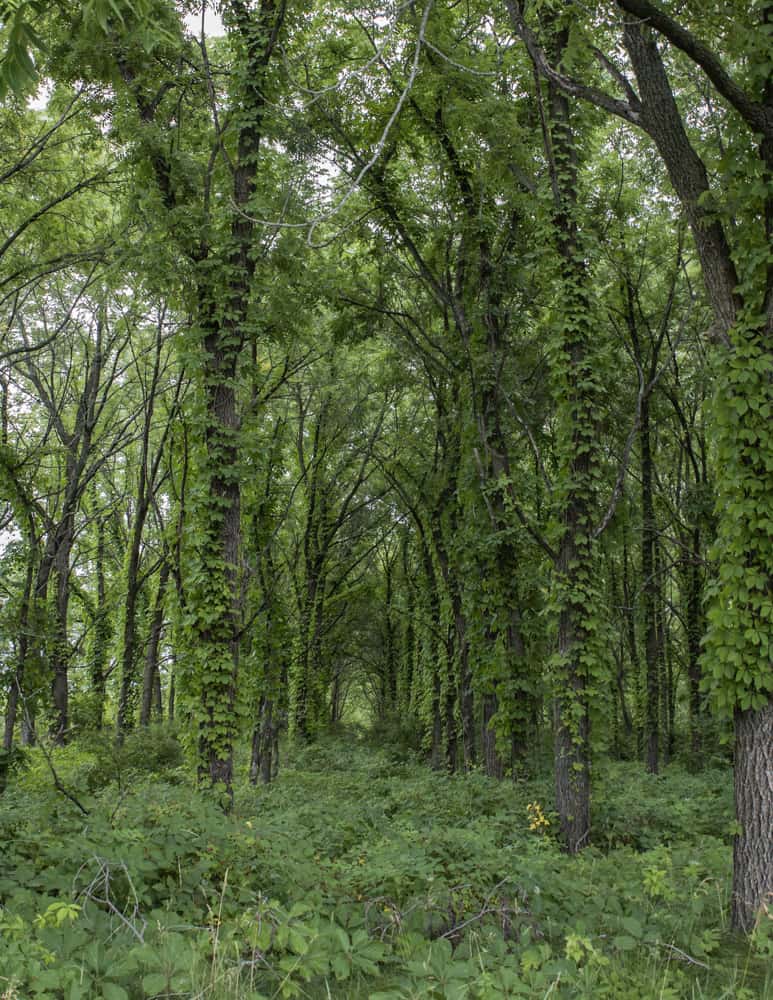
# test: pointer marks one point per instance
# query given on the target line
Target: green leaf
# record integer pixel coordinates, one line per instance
(112, 991)
(154, 983)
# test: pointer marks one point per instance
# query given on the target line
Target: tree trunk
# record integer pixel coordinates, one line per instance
(60, 647)
(649, 594)
(22, 649)
(753, 845)
(127, 695)
(629, 612)
(268, 742)
(492, 760)
(151, 680)
(437, 721)
(99, 650)
(571, 750)
(451, 692)
(466, 696)
(694, 627)
(171, 699)
(573, 563)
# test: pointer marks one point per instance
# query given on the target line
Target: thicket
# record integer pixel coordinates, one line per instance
(362, 874)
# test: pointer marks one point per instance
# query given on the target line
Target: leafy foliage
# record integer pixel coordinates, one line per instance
(389, 882)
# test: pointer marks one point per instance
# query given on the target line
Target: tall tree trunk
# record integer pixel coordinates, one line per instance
(436, 753)
(263, 743)
(743, 441)
(466, 694)
(100, 646)
(665, 678)
(694, 626)
(451, 697)
(170, 707)
(573, 564)
(60, 645)
(753, 845)
(224, 283)
(571, 722)
(492, 760)
(649, 593)
(145, 491)
(125, 718)
(151, 680)
(22, 649)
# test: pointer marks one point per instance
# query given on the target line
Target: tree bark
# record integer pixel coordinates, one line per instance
(753, 845)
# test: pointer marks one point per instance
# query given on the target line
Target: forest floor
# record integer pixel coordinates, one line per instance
(361, 874)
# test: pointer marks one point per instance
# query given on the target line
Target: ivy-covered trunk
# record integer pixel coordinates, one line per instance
(737, 656)
(223, 272)
(451, 691)
(60, 642)
(738, 652)
(151, 679)
(218, 605)
(571, 716)
(575, 383)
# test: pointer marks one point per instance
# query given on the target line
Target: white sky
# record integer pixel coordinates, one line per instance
(213, 25)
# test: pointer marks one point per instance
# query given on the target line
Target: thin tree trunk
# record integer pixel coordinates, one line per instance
(151, 675)
(451, 691)
(436, 755)
(694, 628)
(466, 696)
(268, 742)
(629, 612)
(171, 699)
(22, 649)
(99, 653)
(492, 760)
(158, 697)
(60, 646)
(649, 595)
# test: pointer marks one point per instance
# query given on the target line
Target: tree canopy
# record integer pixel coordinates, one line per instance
(404, 366)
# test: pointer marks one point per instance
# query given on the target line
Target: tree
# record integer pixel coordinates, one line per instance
(738, 277)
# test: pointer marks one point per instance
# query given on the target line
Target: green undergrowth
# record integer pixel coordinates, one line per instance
(360, 873)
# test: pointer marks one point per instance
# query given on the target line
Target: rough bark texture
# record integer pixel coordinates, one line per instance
(753, 846)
